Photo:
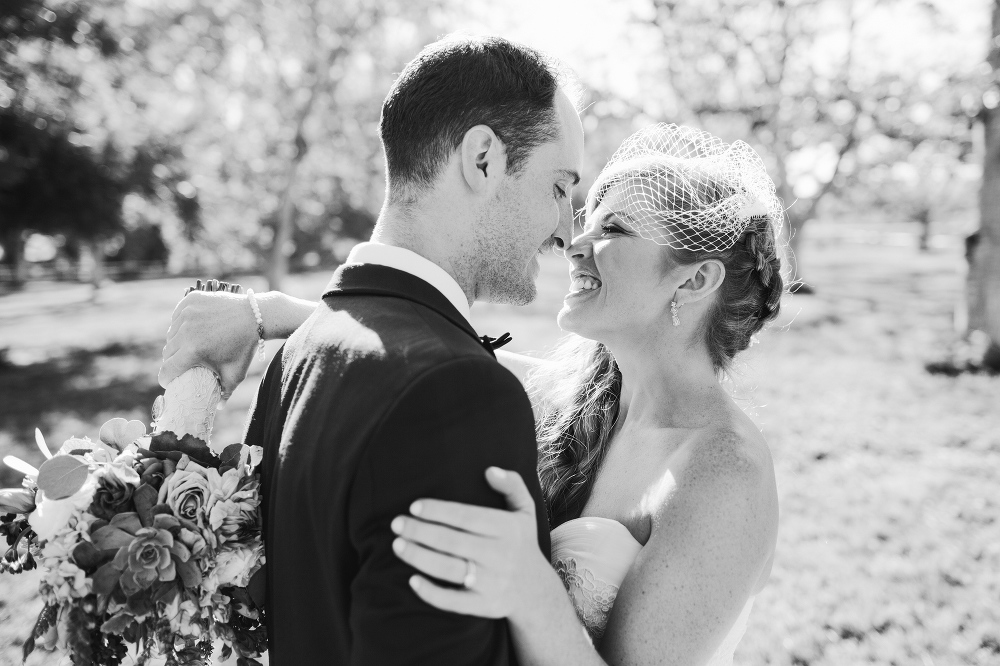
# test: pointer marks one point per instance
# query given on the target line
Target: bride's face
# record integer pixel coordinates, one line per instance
(620, 284)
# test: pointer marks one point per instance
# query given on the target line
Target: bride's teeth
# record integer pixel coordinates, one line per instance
(584, 284)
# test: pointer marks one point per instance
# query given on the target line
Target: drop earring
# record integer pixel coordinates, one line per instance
(673, 313)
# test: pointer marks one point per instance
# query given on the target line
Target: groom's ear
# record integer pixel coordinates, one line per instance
(484, 160)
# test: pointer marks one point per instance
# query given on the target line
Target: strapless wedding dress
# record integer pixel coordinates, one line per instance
(592, 556)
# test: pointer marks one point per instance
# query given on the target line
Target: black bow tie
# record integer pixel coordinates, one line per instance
(495, 343)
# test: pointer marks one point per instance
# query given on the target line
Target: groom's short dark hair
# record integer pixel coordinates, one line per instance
(453, 85)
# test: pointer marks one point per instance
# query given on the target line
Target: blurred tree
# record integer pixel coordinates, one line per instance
(68, 155)
(984, 249)
(279, 104)
(803, 80)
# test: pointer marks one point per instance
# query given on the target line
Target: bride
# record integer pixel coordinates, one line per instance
(659, 488)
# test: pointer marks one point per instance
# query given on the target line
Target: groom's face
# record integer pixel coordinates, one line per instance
(533, 213)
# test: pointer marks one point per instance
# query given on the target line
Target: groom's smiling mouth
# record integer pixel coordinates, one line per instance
(581, 281)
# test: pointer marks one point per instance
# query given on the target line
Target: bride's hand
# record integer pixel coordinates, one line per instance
(492, 553)
(215, 329)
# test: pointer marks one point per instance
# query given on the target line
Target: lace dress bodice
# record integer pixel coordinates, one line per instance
(592, 556)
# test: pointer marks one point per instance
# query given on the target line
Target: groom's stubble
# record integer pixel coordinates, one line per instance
(506, 270)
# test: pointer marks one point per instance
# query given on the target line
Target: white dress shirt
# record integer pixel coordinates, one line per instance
(410, 262)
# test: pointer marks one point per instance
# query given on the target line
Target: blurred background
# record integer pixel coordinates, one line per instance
(144, 143)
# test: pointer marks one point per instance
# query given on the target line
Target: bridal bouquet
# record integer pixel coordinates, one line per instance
(144, 540)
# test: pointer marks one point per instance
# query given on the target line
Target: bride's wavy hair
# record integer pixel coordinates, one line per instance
(579, 393)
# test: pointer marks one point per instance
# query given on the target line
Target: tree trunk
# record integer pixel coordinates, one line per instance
(91, 264)
(13, 247)
(923, 216)
(983, 287)
(278, 268)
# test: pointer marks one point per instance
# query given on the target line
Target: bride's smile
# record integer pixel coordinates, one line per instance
(617, 279)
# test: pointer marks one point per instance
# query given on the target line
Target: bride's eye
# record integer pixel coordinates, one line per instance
(611, 228)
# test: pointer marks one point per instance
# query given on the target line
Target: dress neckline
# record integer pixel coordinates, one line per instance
(610, 522)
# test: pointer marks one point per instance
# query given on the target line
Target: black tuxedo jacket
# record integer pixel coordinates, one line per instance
(384, 395)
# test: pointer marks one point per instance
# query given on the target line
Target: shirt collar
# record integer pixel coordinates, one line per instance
(410, 262)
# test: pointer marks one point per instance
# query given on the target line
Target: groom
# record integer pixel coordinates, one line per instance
(386, 394)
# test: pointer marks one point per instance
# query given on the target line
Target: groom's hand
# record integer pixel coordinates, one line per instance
(216, 330)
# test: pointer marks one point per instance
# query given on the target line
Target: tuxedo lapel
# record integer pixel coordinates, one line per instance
(376, 280)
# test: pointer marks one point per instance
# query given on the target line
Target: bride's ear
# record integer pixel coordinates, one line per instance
(706, 278)
(484, 160)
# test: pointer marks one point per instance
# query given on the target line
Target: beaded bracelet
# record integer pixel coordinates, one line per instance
(260, 323)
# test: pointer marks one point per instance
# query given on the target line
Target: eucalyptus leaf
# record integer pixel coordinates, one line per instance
(62, 476)
(88, 557)
(110, 538)
(120, 434)
(42, 446)
(19, 465)
(117, 623)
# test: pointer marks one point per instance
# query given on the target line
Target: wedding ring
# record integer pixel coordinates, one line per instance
(470, 574)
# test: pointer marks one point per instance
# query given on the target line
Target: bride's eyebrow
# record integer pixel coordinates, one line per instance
(620, 214)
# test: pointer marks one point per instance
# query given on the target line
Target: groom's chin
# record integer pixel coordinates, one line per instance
(510, 290)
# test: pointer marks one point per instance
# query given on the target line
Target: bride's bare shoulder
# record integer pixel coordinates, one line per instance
(723, 469)
(731, 450)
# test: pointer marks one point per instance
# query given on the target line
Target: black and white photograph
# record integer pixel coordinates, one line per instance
(500, 333)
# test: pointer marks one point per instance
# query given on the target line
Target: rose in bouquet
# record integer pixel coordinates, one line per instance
(151, 542)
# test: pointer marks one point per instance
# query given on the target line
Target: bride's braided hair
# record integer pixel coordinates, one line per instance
(750, 295)
(579, 393)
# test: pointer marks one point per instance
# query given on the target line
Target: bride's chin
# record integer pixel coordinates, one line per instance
(569, 319)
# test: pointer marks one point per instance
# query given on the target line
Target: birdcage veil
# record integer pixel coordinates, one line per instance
(682, 187)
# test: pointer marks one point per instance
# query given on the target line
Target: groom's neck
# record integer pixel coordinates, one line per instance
(433, 234)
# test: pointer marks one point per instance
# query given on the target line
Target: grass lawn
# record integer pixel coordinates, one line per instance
(889, 549)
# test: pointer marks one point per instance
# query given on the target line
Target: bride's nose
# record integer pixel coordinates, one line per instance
(582, 247)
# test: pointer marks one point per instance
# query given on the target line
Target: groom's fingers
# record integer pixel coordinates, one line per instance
(511, 486)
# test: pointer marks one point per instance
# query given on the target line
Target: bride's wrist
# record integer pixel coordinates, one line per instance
(282, 313)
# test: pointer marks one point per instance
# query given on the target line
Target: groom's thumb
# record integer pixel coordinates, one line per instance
(511, 486)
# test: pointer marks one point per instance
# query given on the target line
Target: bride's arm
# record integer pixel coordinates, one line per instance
(218, 330)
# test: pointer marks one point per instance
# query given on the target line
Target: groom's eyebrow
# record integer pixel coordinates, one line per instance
(570, 174)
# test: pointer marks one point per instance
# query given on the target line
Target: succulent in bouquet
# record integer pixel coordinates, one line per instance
(149, 542)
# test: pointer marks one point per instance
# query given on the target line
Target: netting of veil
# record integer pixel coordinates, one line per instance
(687, 189)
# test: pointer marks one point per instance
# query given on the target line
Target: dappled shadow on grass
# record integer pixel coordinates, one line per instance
(116, 378)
